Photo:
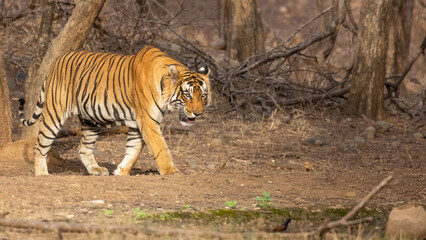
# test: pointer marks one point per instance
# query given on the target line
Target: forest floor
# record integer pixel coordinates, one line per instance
(258, 155)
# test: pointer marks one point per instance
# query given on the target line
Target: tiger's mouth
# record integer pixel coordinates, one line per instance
(184, 119)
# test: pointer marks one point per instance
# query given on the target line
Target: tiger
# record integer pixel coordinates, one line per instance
(107, 89)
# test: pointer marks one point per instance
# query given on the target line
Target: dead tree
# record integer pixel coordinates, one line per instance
(399, 39)
(366, 94)
(71, 37)
(5, 117)
(243, 29)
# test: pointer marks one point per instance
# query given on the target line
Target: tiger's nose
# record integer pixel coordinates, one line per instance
(197, 113)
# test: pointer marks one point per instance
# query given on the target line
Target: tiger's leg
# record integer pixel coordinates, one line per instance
(133, 149)
(46, 136)
(154, 138)
(87, 142)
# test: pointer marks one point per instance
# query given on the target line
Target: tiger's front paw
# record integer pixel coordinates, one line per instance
(169, 171)
(121, 172)
(99, 171)
(42, 172)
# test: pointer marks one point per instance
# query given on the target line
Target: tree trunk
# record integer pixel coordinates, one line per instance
(243, 29)
(5, 117)
(71, 37)
(401, 18)
(367, 84)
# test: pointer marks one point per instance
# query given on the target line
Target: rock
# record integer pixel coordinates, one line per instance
(219, 44)
(308, 166)
(417, 136)
(360, 142)
(193, 164)
(318, 141)
(350, 148)
(338, 206)
(230, 181)
(395, 144)
(369, 132)
(216, 142)
(211, 166)
(407, 221)
(381, 126)
(350, 194)
(97, 202)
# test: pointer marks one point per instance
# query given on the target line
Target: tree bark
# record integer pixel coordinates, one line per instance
(243, 29)
(71, 37)
(5, 116)
(401, 18)
(367, 84)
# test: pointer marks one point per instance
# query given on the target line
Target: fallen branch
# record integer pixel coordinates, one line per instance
(62, 227)
(315, 97)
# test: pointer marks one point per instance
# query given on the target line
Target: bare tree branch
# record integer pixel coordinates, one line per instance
(271, 56)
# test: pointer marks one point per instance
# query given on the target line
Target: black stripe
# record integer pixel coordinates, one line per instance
(152, 118)
(48, 128)
(41, 145)
(133, 138)
(51, 117)
(36, 116)
(156, 104)
(44, 135)
(40, 152)
(40, 104)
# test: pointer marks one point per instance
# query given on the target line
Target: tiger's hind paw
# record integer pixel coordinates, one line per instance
(99, 171)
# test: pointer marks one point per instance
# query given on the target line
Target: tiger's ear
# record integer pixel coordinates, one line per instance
(204, 70)
(173, 74)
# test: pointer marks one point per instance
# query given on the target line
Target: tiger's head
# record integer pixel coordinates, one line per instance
(192, 93)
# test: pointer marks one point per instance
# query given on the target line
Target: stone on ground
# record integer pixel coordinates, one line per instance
(407, 222)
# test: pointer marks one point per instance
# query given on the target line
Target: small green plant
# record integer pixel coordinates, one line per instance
(186, 206)
(231, 204)
(140, 214)
(108, 212)
(264, 200)
(166, 216)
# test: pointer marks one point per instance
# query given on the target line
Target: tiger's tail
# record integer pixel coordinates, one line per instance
(37, 111)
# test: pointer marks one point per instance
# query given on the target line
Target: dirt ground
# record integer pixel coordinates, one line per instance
(258, 155)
